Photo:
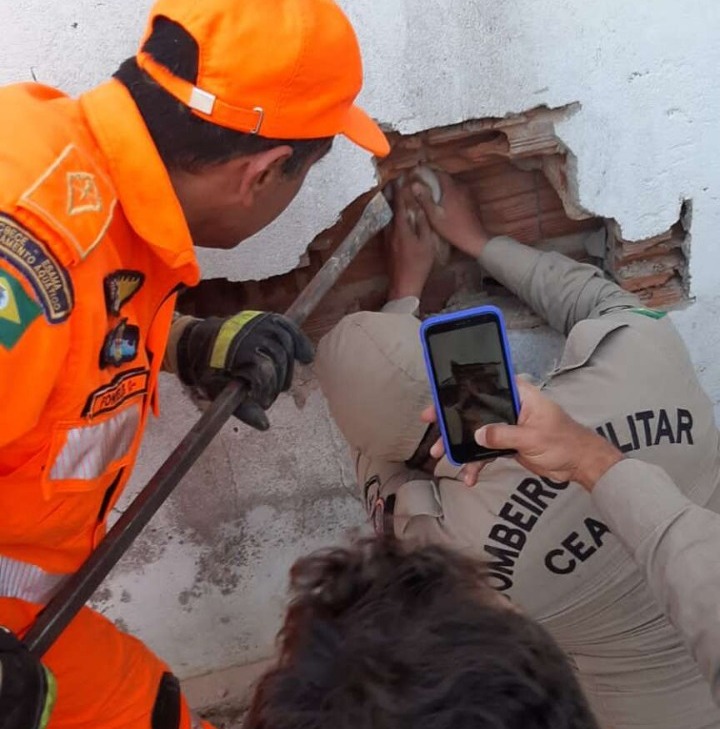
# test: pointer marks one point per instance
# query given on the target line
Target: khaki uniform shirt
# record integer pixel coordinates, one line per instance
(676, 544)
(628, 375)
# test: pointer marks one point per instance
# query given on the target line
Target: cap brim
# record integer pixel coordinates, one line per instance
(363, 131)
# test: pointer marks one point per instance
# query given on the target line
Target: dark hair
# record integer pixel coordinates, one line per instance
(184, 140)
(378, 637)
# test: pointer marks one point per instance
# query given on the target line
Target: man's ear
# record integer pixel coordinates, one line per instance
(254, 174)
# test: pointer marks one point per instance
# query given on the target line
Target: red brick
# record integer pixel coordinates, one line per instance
(446, 134)
(628, 253)
(526, 231)
(518, 202)
(548, 200)
(453, 163)
(671, 294)
(512, 209)
(557, 224)
(501, 181)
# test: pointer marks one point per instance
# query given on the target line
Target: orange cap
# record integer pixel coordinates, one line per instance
(284, 69)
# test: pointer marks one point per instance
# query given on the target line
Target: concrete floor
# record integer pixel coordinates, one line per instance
(225, 718)
(221, 697)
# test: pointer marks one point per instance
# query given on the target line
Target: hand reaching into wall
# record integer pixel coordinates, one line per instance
(411, 246)
(455, 217)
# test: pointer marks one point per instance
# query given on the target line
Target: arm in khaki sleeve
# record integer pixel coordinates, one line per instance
(29, 371)
(169, 363)
(677, 545)
(407, 305)
(557, 288)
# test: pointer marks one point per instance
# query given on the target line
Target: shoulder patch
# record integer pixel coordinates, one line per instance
(651, 313)
(35, 262)
(75, 198)
(17, 310)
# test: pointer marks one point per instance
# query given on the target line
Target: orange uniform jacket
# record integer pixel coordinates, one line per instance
(93, 246)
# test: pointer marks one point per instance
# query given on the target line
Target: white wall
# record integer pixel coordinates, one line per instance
(204, 588)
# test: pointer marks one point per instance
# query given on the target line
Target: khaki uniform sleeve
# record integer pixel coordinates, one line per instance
(407, 305)
(677, 545)
(557, 288)
(32, 359)
(169, 363)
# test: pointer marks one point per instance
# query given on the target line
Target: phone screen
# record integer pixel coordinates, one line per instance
(473, 381)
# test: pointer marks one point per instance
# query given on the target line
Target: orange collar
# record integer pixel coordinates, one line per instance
(143, 185)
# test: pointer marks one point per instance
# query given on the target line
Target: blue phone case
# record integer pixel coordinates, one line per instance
(455, 316)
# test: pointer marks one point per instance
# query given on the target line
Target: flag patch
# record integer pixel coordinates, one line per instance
(49, 279)
(17, 310)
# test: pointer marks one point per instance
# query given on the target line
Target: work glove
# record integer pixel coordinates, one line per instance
(256, 348)
(27, 688)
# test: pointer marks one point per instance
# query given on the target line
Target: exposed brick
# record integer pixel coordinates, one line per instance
(664, 297)
(547, 199)
(628, 253)
(501, 181)
(453, 163)
(530, 202)
(516, 208)
(487, 152)
(557, 224)
(650, 273)
(526, 231)
(447, 134)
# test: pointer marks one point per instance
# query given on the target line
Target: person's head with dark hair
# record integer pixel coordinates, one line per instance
(241, 99)
(379, 637)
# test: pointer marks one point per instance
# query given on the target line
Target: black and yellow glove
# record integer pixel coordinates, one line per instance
(27, 688)
(256, 348)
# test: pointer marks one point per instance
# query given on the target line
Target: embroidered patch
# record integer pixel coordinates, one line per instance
(120, 287)
(124, 387)
(83, 195)
(17, 311)
(75, 197)
(121, 345)
(33, 260)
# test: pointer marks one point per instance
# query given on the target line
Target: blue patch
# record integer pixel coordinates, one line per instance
(33, 260)
(121, 345)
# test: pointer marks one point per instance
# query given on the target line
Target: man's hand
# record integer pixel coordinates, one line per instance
(256, 348)
(455, 218)
(412, 245)
(547, 440)
(27, 688)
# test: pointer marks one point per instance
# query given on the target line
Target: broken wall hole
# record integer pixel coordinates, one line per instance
(517, 170)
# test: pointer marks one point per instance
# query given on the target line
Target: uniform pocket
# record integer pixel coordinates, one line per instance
(83, 453)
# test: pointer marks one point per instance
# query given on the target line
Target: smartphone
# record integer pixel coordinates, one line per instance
(472, 378)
